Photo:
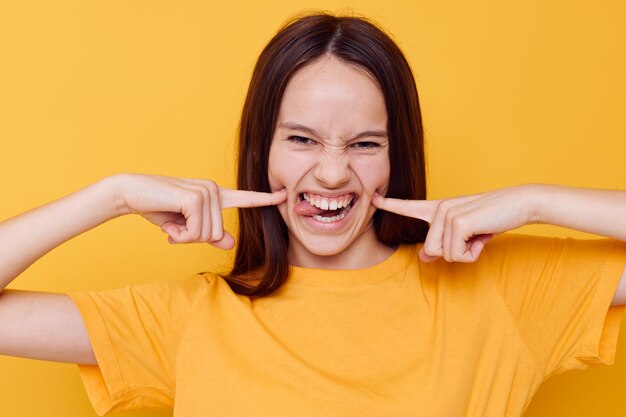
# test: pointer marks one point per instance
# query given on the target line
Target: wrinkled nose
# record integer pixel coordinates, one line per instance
(332, 170)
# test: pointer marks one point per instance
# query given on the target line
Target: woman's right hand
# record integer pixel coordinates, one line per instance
(188, 209)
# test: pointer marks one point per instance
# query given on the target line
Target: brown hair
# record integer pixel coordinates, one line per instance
(263, 239)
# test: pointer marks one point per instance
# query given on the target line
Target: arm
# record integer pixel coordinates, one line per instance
(602, 212)
(461, 226)
(458, 221)
(189, 210)
(29, 236)
(49, 326)
(42, 325)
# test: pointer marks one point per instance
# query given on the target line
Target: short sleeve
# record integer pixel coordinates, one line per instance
(135, 332)
(559, 292)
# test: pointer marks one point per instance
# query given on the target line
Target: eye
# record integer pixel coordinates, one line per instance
(301, 140)
(365, 145)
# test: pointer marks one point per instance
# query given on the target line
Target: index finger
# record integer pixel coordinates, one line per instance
(419, 209)
(239, 198)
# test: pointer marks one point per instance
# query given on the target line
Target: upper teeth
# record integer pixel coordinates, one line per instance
(328, 203)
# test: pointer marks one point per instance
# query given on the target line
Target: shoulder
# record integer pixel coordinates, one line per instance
(196, 286)
(174, 295)
(190, 284)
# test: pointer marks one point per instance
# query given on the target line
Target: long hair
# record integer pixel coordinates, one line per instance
(261, 264)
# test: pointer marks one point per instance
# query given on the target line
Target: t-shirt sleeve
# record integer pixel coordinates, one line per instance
(559, 292)
(135, 332)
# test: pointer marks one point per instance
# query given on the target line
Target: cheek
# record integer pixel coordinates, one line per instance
(275, 180)
(283, 169)
(275, 170)
(373, 174)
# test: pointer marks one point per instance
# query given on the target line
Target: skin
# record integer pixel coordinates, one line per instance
(333, 102)
(336, 100)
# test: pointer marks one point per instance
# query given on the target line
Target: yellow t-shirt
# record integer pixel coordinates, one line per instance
(402, 338)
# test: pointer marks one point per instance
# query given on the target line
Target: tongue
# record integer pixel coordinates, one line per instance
(305, 209)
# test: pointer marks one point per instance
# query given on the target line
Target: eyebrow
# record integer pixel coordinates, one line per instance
(302, 128)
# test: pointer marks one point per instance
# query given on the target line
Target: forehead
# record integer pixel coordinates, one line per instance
(334, 98)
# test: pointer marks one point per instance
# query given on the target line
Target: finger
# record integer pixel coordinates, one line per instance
(477, 244)
(461, 236)
(200, 196)
(192, 210)
(239, 198)
(447, 237)
(456, 234)
(217, 225)
(206, 227)
(180, 220)
(173, 231)
(439, 243)
(474, 247)
(419, 209)
(226, 242)
(167, 227)
(172, 223)
(427, 258)
(433, 245)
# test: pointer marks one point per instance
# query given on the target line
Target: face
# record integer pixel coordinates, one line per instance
(330, 151)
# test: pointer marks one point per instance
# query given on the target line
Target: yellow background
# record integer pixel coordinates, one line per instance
(511, 92)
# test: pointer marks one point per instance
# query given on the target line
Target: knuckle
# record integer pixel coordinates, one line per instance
(430, 250)
(194, 197)
(206, 235)
(196, 235)
(465, 259)
(217, 235)
(204, 193)
(212, 187)
(185, 238)
(459, 222)
(446, 205)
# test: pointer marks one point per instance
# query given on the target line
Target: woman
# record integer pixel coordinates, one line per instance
(339, 302)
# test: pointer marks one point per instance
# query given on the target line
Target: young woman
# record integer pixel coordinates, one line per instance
(351, 294)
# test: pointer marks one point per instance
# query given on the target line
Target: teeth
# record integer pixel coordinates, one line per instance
(328, 204)
(331, 219)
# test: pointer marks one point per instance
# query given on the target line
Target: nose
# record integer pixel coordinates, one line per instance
(332, 170)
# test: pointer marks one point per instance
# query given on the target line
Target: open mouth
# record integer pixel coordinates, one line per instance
(325, 209)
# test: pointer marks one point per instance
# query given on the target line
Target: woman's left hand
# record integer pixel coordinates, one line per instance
(460, 226)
